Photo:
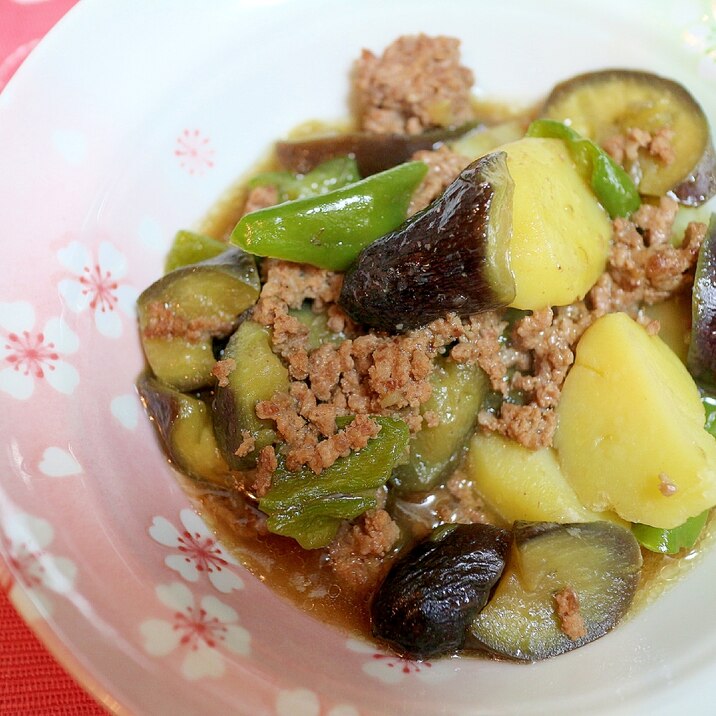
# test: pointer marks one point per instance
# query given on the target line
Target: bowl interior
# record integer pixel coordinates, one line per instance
(111, 148)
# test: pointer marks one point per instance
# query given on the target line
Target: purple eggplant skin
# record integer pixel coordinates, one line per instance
(373, 152)
(439, 260)
(701, 359)
(429, 597)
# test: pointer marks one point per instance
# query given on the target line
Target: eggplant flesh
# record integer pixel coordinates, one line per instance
(373, 152)
(602, 104)
(452, 256)
(426, 602)
(185, 427)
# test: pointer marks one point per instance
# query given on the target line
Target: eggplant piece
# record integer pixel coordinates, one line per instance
(189, 248)
(430, 596)
(701, 358)
(600, 105)
(373, 152)
(458, 392)
(186, 431)
(317, 324)
(597, 563)
(452, 256)
(182, 313)
(258, 373)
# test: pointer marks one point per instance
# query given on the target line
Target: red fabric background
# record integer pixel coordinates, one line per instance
(32, 683)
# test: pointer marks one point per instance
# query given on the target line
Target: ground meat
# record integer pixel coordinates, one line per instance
(222, 370)
(162, 321)
(247, 444)
(443, 168)
(644, 266)
(357, 554)
(624, 148)
(570, 618)
(417, 83)
(294, 283)
(261, 197)
(266, 465)
(666, 486)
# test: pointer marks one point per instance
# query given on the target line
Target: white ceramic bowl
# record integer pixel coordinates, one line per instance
(125, 124)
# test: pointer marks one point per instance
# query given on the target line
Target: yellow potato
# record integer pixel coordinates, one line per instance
(522, 484)
(630, 433)
(560, 233)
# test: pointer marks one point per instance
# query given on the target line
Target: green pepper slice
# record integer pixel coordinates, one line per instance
(328, 176)
(310, 507)
(612, 185)
(329, 231)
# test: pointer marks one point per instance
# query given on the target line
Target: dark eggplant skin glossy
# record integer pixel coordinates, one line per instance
(702, 348)
(373, 152)
(452, 256)
(429, 597)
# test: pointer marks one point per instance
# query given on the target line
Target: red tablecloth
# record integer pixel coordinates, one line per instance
(32, 683)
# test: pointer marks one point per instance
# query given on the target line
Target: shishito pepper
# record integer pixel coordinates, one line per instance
(611, 184)
(310, 507)
(671, 541)
(328, 176)
(329, 231)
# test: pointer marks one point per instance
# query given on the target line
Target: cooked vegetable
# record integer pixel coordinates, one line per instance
(452, 256)
(674, 316)
(564, 586)
(255, 374)
(560, 234)
(317, 324)
(330, 175)
(519, 219)
(189, 248)
(630, 435)
(702, 349)
(611, 184)
(523, 484)
(329, 231)
(430, 596)
(182, 313)
(601, 105)
(310, 507)
(673, 540)
(483, 140)
(373, 152)
(185, 427)
(458, 391)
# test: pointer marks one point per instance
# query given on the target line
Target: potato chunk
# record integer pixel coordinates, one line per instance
(523, 484)
(630, 435)
(560, 232)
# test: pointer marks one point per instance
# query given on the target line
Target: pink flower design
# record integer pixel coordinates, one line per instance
(200, 632)
(392, 669)
(194, 152)
(196, 625)
(197, 551)
(24, 549)
(97, 285)
(28, 353)
(407, 666)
